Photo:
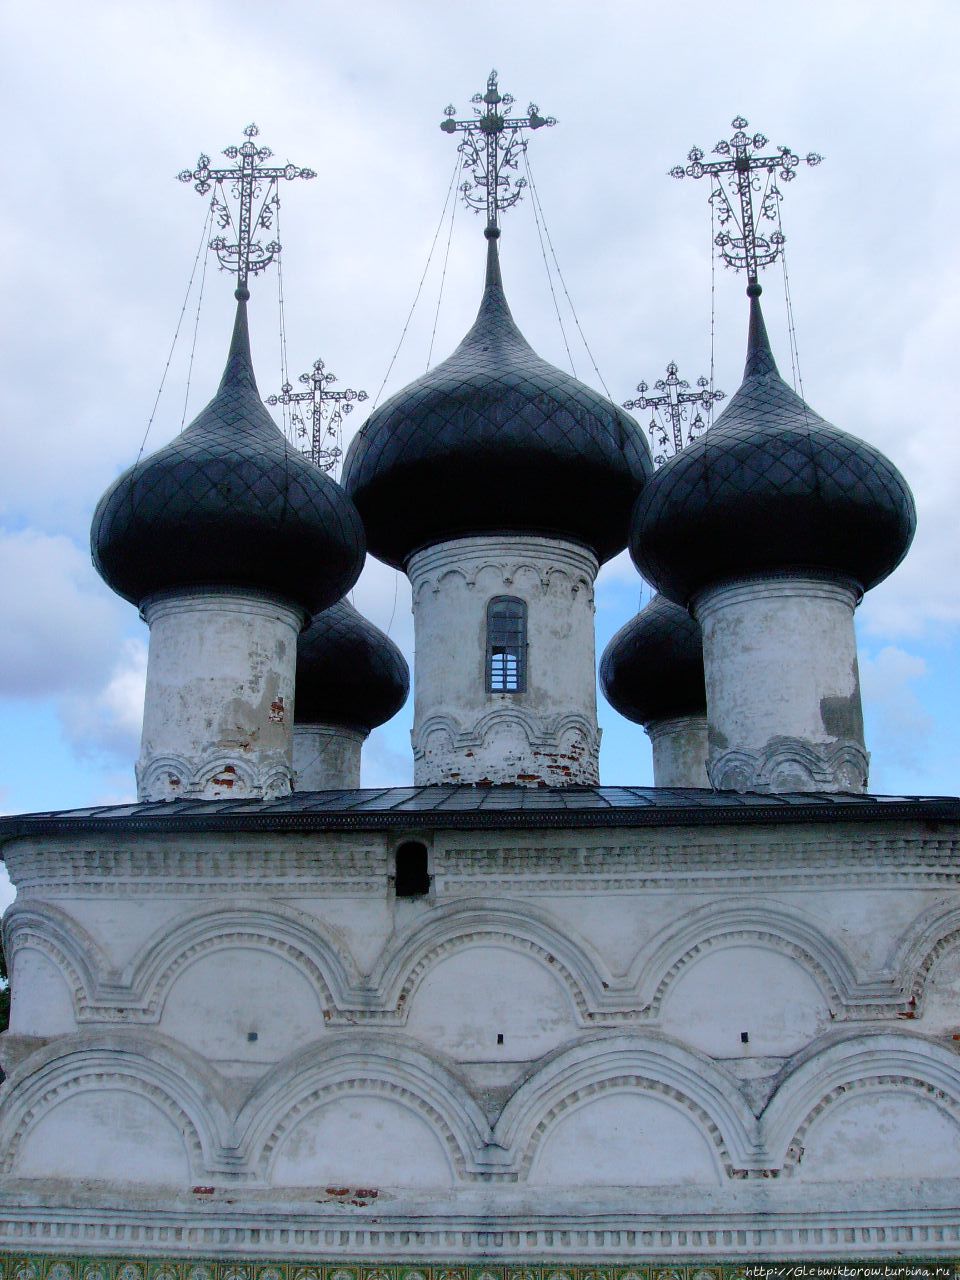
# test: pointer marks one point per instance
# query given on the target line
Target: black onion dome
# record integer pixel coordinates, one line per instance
(229, 503)
(495, 440)
(652, 669)
(348, 672)
(771, 486)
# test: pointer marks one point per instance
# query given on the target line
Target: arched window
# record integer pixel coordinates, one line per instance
(506, 645)
(411, 876)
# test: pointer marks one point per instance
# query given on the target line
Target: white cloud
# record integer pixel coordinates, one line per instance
(899, 728)
(60, 626)
(107, 720)
(383, 596)
(96, 281)
(620, 569)
(382, 765)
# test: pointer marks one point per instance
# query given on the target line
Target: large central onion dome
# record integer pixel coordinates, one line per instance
(229, 503)
(771, 486)
(652, 669)
(348, 672)
(495, 440)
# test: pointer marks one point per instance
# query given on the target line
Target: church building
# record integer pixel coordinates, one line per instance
(507, 1023)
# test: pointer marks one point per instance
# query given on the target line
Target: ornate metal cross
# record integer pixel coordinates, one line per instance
(746, 249)
(247, 178)
(491, 146)
(673, 406)
(325, 432)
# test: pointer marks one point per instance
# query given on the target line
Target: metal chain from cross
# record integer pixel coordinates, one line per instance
(673, 404)
(491, 146)
(325, 432)
(247, 178)
(746, 250)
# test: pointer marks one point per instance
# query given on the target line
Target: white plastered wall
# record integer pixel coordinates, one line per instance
(783, 686)
(545, 734)
(219, 705)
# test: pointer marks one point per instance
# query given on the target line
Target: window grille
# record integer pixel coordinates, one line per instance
(506, 645)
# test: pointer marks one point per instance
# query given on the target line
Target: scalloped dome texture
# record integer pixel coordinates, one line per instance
(496, 440)
(229, 503)
(771, 486)
(652, 669)
(348, 672)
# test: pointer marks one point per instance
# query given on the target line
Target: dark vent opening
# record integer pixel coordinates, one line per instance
(412, 879)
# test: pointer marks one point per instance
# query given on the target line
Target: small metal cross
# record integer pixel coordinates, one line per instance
(747, 249)
(492, 144)
(247, 178)
(673, 407)
(325, 431)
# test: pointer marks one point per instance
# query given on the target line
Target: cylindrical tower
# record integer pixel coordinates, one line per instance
(350, 678)
(226, 539)
(769, 529)
(652, 673)
(499, 484)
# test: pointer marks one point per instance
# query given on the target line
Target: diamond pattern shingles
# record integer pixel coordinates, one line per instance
(348, 672)
(771, 486)
(496, 440)
(229, 503)
(652, 669)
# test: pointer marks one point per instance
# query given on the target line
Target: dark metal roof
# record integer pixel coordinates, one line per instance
(348, 672)
(771, 486)
(652, 669)
(505, 808)
(496, 440)
(229, 503)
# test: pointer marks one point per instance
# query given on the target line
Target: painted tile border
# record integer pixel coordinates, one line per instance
(39, 1266)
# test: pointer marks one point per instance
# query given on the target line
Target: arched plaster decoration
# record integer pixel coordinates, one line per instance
(136, 993)
(646, 1063)
(541, 732)
(678, 944)
(176, 1082)
(609, 1148)
(934, 933)
(886, 1059)
(64, 942)
(94, 1133)
(43, 1000)
(568, 957)
(504, 573)
(906, 1130)
(375, 1064)
(937, 995)
(468, 1006)
(786, 762)
(364, 1133)
(295, 937)
(176, 774)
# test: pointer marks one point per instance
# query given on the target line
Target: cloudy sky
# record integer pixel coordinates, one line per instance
(106, 102)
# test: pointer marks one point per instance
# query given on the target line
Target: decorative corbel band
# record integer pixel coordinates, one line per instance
(791, 764)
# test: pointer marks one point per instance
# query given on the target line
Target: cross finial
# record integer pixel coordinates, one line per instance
(735, 178)
(323, 437)
(670, 412)
(491, 147)
(249, 179)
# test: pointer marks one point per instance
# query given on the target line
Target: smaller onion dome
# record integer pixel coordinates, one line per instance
(652, 669)
(349, 673)
(229, 503)
(496, 441)
(771, 487)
